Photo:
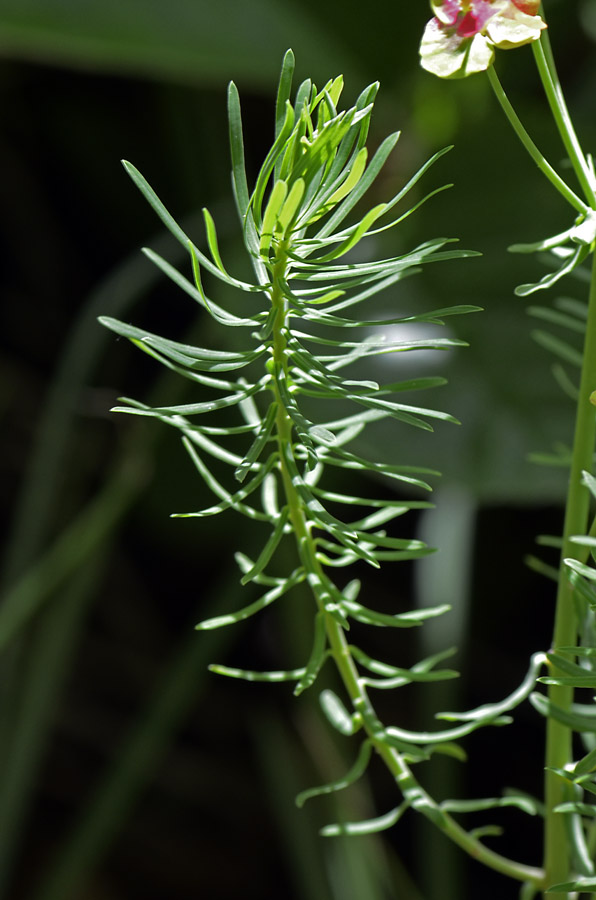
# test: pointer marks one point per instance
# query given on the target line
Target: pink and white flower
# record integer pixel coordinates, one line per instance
(461, 38)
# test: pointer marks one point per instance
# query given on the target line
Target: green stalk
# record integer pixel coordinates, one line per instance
(339, 647)
(558, 740)
(548, 75)
(529, 144)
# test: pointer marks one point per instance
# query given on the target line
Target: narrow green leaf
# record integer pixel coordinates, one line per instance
(542, 568)
(565, 665)
(567, 385)
(583, 540)
(546, 244)
(339, 182)
(197, 293)
(249, 675)
(359, 232)
(583, 809)
(398, 507)
(276, 199)
(586, 765)
(583, 588)
(549, 540)
(229, 501)
(319, 515)
(587, 571)
(302, 425)
(317, 657)
(380, 517)
(581, 885)
(569, 263)
(183, 371)
(245, 563)
(260, 441)
(514, 699)
(463, 806)
(256, 200)
(423, 667)
(290, 208)
(484, 831)
(186, 354)
(557, 318)
(370, 826)
(559, 347)
(590, 482)
(194, 409)
(374, 167)
(239, 181)
(197, 436)
(380, 539)
(399, 620)
(269, 548)
(284, 89)
(449, 734)
(266, 600)
(578, 681)
(410, 211)
(176, 230)
(212, 241)
(337, 714)
(303, 94)
(356, 772)
(572, 720)
(408, 676)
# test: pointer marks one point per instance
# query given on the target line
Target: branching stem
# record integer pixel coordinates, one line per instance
(412, 791)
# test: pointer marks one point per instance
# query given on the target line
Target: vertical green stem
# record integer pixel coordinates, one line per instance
(558, 741)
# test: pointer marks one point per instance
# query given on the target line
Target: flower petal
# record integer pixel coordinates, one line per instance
(530, 7)
(479, 57)
(514, 28)
(446, 54)
(446, 11)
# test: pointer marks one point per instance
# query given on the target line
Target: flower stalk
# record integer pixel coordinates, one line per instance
(545, 64)
(529, 145)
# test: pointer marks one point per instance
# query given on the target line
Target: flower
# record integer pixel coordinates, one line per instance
(461, 38)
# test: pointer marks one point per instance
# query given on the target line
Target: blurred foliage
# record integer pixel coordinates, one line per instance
(108, 603)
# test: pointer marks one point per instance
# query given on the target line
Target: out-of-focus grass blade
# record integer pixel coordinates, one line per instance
(187, 41)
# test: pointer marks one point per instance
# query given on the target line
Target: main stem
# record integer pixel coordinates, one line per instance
(558, 736)
(408, 785)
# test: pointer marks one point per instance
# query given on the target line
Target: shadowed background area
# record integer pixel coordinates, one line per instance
(127, 770)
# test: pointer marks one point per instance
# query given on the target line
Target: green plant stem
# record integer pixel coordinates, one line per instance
(548, 75)
(339, 647)
(558, 740)
(529, 144)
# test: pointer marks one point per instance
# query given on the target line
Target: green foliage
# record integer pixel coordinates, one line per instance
(305, 251)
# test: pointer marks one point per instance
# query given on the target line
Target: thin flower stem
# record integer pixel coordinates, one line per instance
(412, 791)
(548, 75)
(530, 146)
(558, 736)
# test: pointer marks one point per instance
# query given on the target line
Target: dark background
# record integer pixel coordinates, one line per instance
(128, 771)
